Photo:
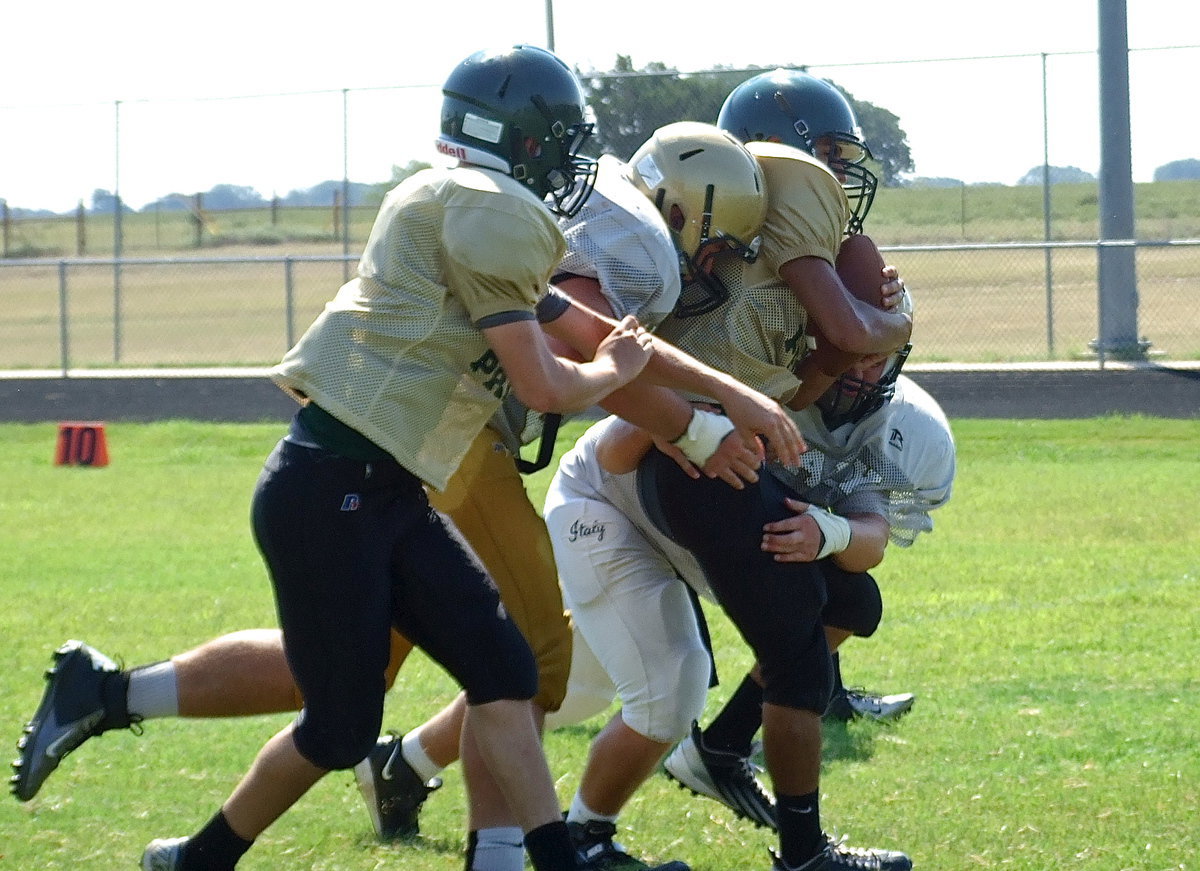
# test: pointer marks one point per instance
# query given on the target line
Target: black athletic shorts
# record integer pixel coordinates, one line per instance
(353, 548)
(777, 607)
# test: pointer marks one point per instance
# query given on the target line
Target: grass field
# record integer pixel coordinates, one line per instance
(1047, 627)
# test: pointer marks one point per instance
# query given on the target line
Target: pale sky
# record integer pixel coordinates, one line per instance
(67, 65)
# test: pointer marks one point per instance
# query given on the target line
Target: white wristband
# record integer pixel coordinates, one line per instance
(834, 529)
(706, 430)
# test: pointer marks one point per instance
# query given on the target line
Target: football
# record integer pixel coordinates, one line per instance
(860, 266)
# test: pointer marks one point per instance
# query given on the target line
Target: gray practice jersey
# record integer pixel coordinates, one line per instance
(898, 462)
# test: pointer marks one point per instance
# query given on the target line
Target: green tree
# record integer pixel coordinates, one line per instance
(104, 202)
(230, 196)
(630, 104)
(885, 137)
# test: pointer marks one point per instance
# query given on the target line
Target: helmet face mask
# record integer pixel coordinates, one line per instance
(800, 110)
(851, 399)
(521, 112)
(712, 195)
(703, 288)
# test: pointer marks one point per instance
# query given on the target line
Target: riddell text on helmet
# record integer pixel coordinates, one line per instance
(456, 151)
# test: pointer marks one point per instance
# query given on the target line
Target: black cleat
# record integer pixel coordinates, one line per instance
(80, 691)
(393, 791)
(595, 850)
(838, 857)
(721, 775)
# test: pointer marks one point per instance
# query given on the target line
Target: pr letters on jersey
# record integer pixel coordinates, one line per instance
(494, 379)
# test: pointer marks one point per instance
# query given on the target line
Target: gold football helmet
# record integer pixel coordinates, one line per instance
(711, 192)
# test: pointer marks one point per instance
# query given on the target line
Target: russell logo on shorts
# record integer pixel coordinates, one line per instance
(350, 502)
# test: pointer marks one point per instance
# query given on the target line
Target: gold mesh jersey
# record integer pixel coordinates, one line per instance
(398, 354)
(758, 335)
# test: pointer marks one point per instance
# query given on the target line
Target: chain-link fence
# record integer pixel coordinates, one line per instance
(1017, 302)
(1000, 273)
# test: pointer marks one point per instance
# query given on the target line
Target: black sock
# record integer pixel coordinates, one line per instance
(216, 847)
(472, 843)
(114, 695)
(550, 848)
(800, 836)
(734, 727)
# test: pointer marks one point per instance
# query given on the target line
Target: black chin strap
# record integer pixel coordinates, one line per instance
(550, 423)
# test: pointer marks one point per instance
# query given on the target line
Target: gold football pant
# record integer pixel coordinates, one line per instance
(487, 501)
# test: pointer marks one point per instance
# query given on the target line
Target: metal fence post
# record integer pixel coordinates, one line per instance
(345, 181)
(64, 331)
(1046, 221)
(80, 230)
(289, 300)
(118, 238)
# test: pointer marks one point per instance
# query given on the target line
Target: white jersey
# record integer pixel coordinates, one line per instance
(898, 462)
(619, 239)
(580, 476)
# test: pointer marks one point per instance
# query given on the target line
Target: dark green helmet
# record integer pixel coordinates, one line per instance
(811, 114)
(521, 111)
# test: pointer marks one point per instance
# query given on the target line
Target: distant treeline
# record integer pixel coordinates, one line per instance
(318, 222)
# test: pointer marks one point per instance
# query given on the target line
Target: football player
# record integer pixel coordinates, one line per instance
(881, 455)
(811, 114)
(797, 109)
(775, 113)
(395, 378)
(689, 196)
(622, 593)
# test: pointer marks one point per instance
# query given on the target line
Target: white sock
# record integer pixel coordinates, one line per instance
(414, 754)
(581, 813)
(153, 691)
(499, 849)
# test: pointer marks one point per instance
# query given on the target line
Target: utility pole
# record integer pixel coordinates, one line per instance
(1116, 263)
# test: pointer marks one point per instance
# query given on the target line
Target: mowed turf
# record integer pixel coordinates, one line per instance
(1047, 627)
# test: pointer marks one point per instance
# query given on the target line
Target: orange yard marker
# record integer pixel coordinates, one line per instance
(81, 443)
